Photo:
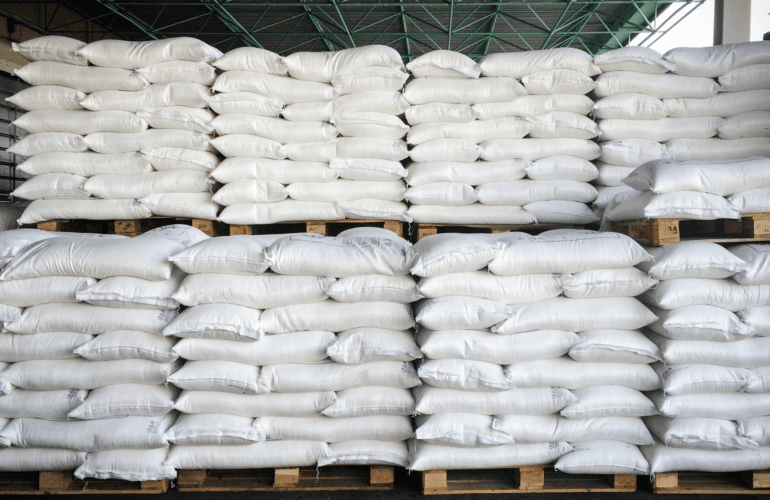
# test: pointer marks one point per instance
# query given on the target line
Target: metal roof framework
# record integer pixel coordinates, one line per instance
(413, 27)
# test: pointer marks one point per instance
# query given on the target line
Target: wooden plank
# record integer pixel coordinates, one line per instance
(316, 227)
(152, 486)
(666, 480)
(434, 480)
(128, 227)
(424, 230)
(381, 474)
(207, 226)
(395, 226)
(190, 478)
(286, 476)
(625, 482)
(531, 477)
(237, 229)
(522, 479)
(330, 478)
(713, 483)
(760, 479)
(55, 480)
(51, 225)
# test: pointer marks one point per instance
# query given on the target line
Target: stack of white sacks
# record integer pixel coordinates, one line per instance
(714, 314)
(87, 385)
(743, 101)
(646, 113)
(445, 136)
(126, 138)
(560, 141)
(316, 183)
(515, 373)
(299, 395)
(458, 118)
(696, 189)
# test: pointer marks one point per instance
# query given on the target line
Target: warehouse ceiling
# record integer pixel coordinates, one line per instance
(412, 27)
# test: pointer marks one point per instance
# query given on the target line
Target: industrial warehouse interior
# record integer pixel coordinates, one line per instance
(393, 249)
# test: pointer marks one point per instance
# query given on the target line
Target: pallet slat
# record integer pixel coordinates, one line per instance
(365, 478)
(712, 483)
(751, 227)
(320, 226)
(426, 229)
(523, 479)
(130, 228)
(64, 483)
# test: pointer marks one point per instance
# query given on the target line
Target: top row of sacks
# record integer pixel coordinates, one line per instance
(322, 67)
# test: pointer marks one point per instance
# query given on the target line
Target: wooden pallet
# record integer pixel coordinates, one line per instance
(319, 226)
(713, 483)
(64, 483)
(424, 229)
(331, 478)
(131, 228)
(527, 479)
(750, 227)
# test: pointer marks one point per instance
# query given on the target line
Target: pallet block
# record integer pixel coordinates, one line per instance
(64, 483)
(330, 478)
(712, 483)
(524, 479)
(320, 226)
(750, 227)
(424, 229)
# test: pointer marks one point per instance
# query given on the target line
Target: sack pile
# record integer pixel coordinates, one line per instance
(649, 114)
(560, 143)
(633, 118)
(743, 100)
(327, 383)
(85, 381)
(516, 373)
(124, 138)
(696, 189)
(284, 160)
(713, 312)
(458, 118)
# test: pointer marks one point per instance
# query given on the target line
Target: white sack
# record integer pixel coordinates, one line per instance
(83, 374)
(603, 457)
(565, 372)
(306, 404)
(297, 347)
(549, 428)
(257, 292)
(216, 321)
(212, 429)
(539, 401)
(535, 105)
(334, 377)
(470, 214)
(367, 345)
(92, 320)
(133, 55)
(241, 254)
(672, 294)
(47, 97)
(267, 454)
(86, 79)
(281, 211)
(365, 401)
(432, 457)
(519, 64)
(492, 348)
(660, 86)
